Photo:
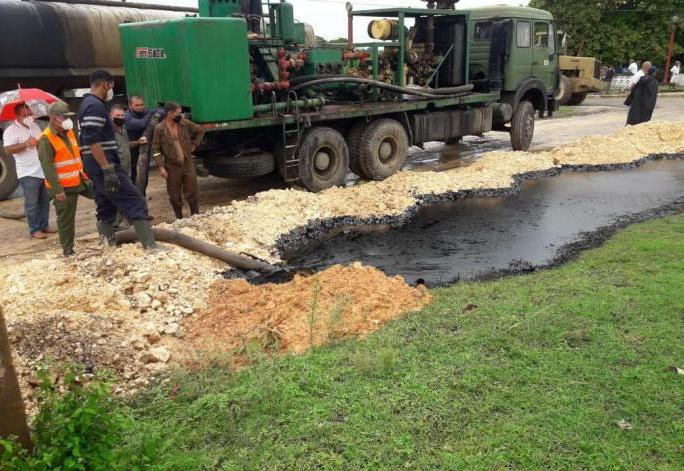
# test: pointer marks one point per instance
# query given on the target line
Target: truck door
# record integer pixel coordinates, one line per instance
(519, 65)
(544, 58)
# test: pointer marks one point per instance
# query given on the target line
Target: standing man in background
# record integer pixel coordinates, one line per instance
(175, 139)
(20, 139)
(117, 115)
(60, 159)
(633, 67)
(137, 117)
(113, 187)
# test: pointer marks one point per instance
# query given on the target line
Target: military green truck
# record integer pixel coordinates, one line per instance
(278, 102)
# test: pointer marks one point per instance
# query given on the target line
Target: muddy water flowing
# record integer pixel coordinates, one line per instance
(468, 238)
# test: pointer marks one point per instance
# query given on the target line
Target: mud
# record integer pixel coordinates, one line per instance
(538, 222)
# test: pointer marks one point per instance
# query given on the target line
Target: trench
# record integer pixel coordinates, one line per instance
(543, 221)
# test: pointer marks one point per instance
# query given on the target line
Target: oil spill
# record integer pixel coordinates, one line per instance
(544, 224)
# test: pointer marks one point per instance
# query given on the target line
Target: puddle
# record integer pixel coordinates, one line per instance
(467, 239)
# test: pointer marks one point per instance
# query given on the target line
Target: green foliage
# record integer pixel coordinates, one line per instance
(616, 31)
(74, 430)
(528, 372)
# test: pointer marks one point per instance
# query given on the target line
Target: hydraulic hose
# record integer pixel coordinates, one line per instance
(445, 93)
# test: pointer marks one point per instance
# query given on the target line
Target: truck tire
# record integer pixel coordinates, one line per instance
(8, 175)
(383, 149)
(577, 98)
(244, 166)
(354, 143)
(323, 159)
(522, 126)
(564, 92)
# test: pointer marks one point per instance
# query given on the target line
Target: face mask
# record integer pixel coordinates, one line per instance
(138, 114)
(67, 124)
(119, 121)
(110, 94)
(178, 118)
(27, 120)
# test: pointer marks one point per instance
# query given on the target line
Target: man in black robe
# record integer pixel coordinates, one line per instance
(642, 99)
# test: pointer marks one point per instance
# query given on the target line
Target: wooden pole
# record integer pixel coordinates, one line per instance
(12, 413)
(668, 62)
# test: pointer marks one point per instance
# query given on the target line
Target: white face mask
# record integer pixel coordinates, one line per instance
(67, 124)
(110, 94)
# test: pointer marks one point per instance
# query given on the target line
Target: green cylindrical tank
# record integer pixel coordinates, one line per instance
(284, 17)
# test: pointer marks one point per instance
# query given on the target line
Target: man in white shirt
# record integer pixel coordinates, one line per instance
(20, 140)
(633, 67)
(674, 75)
(641, 73)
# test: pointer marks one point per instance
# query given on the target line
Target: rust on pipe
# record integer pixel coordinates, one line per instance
(199, 246)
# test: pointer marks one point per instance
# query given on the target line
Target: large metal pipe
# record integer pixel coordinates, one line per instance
(122, 3)
(56, 45)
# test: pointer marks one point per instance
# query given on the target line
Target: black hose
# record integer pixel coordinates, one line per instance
(452, 92)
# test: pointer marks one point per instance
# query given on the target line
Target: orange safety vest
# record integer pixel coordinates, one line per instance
(67, 162)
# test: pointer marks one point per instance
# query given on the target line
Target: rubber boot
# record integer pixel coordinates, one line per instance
(194, 208)
(143, 230)
(106, 231)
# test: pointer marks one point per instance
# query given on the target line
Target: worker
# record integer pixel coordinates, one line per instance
(143, 168)
(111, 183)
(633, 67)
(137, 117)
(116, 113)
(674, 75)
(174, 141)
(643, 72)
(65, 179)
(643, 98)
(20, 140)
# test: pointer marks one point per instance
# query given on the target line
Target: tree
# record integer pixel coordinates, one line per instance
(616, 31)
(11, 404)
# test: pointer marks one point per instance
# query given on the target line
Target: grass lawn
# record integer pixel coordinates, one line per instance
(529, 372)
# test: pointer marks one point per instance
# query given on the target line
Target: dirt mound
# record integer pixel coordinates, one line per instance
(338, 302)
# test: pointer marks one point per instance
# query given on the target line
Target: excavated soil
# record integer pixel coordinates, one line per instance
(131, 312)
(292, 317)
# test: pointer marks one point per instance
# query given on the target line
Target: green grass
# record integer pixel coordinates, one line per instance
(529, 372)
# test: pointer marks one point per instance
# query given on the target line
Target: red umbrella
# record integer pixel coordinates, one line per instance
(36, 99)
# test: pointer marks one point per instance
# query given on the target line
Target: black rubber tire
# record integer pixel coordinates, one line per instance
(245, 166)
(379, 132)
(577, 99)
(564, 92)
(8, 175)
(330, 143)
(354, 142)
(522, 126)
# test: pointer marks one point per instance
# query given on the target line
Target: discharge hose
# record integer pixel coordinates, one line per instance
(442, 93)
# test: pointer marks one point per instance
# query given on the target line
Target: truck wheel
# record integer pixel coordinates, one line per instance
(354, 143)
(383, 149)
(8, 175)
(522, 126)
(245, 166)
(564, 92)
(577, 98)
(323, 159)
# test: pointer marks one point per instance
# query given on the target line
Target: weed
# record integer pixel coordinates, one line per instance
(313, 310)
(336, 315)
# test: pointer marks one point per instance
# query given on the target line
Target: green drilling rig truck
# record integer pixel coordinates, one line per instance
(277, 101)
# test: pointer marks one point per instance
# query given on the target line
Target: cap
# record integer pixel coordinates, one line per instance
(59, 108)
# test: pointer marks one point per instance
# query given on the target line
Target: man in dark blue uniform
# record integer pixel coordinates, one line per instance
(112, 184)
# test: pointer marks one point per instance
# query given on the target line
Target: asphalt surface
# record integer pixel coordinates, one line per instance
(598, 116)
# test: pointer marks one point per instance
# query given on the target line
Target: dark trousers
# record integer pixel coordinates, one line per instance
(36, 203)
(182, 181)
(128, 199)
(135, 154)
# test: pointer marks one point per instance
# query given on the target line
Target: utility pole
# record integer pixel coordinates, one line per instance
(12, 413)
(670, 49)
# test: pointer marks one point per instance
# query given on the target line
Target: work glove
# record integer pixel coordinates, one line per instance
(111, 179)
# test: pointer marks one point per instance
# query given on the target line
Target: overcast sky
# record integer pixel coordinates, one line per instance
(328, 17)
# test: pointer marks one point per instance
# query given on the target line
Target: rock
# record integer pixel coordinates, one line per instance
(171, 328)
(156, 304)
(143, 299)
(155, 355)
(137, 343)
(154, 337)
(187, 310)
(142, 278)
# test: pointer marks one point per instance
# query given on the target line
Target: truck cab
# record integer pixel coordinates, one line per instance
(514, 49)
